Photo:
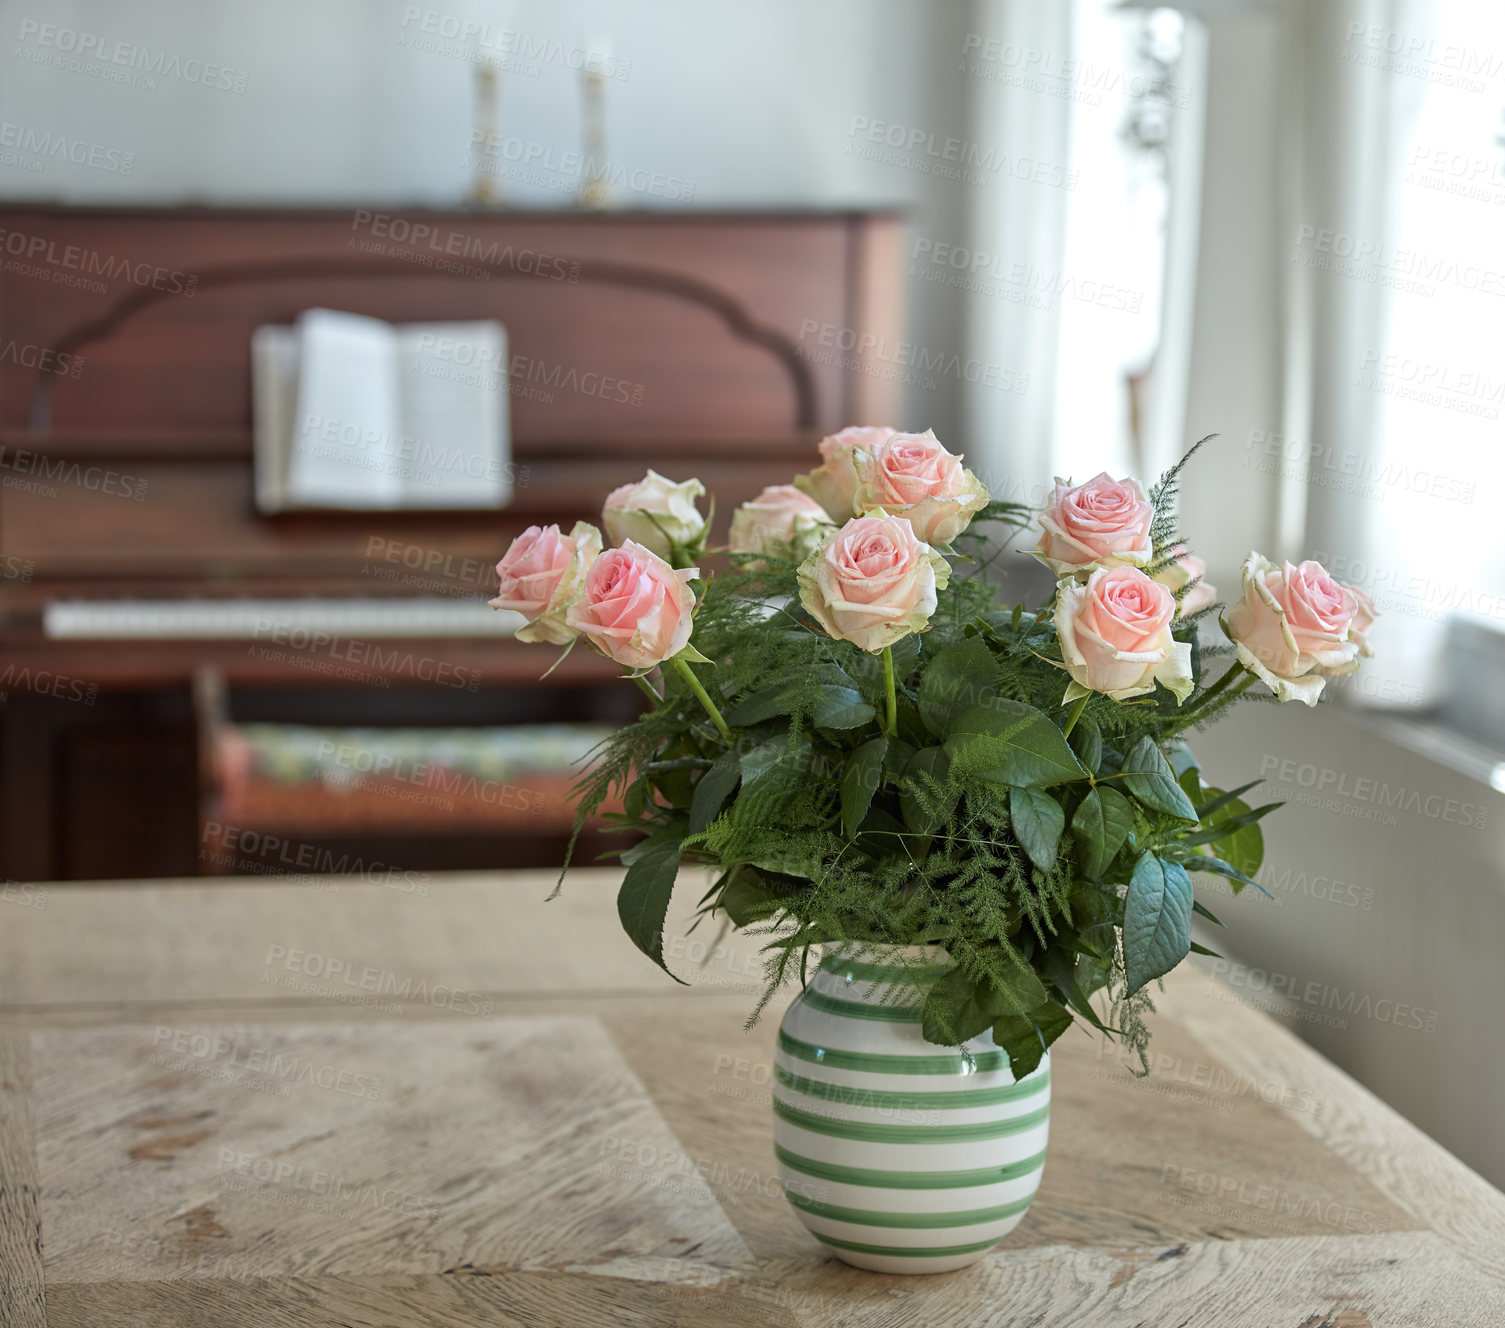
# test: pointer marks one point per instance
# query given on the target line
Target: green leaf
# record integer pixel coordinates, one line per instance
(759, 706)
(900, 753)
(713, 788)
(883, 835)
(1190, 782)
(633, 852)
(1023, 990)
(1197, 948)
(747, 898)
(1087, 742)
(959, 677)
(906, 653)
(931, 761)
(798, 855)
(1038, 821)
(868, 669)
(1157, 920)
(838, 704)
(1180, 757)
(1009, 742)
(1228, 822)
(643, 900)
(639, 795)
(1199, 907)
(1060, 967)
(1097, 912)
(774, 758)
(1096, 942)
(841, 707)
(1151, 780)
(1205, 863)
(675, 786)
(1026, 1037)
(956, 1010)
(1102, 823)
(1222, 831)
(1221, 800)
(859, 781)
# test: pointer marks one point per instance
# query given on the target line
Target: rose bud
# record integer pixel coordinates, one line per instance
(1294, 627)
(1102, 523)
(1115, 634)
(635, 608)
(873, 582)
(834, 484)
(658, 514)
(780, 522)
(1187, 568)
(913, 476)
(542, 574)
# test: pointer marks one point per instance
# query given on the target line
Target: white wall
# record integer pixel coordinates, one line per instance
(1387, 868)
(1234, 379)
(734, 104)
(749, 104)
(1388, 876)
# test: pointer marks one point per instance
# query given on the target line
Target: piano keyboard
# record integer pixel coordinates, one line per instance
(259, 619)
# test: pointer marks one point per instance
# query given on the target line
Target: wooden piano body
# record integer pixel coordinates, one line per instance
(710, 344)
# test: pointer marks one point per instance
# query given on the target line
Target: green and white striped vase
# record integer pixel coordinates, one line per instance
(899, 1155)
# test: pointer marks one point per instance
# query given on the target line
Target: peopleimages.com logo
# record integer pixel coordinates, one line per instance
(341, 975)
(117, 61)
(1365, 793)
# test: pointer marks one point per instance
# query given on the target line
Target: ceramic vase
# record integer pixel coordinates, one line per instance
(899, 1155)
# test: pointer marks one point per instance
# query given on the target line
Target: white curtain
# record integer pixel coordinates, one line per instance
(1012, 434)
(1092, 274)
(1401, 253)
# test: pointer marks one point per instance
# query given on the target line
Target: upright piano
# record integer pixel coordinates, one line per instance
(133, 559)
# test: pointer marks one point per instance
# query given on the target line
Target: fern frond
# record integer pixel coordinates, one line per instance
(1163, 498)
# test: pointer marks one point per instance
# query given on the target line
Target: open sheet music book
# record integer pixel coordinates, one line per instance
(353, 412)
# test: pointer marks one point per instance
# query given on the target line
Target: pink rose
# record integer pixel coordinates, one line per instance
(834, 483)
(542, 574)
(1102, 523)
(659, 514)
(781, 522)
(1293, 627)
(1186, 569)
(913, 476)
(635, 608)
(872, 582)
(1364, 615)
(1115, 634)
(864, 437)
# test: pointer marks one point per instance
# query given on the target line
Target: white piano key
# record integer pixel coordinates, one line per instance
(259, 619)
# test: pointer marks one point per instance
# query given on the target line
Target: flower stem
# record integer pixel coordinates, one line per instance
(648, 688)
(1243, 686)
(703, 697)
(1217, 687)
(1201, 704)
(1076, 714)
(890, 698)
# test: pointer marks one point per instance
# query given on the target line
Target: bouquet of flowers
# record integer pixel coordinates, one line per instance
(870, 748)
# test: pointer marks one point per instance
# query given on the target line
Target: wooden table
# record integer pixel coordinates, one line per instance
(313, 1103)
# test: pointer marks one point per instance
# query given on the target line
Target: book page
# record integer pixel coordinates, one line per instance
(454, 408)
(274, 402)
(347, 433)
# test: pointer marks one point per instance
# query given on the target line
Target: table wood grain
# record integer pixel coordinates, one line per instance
(271, 1103)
